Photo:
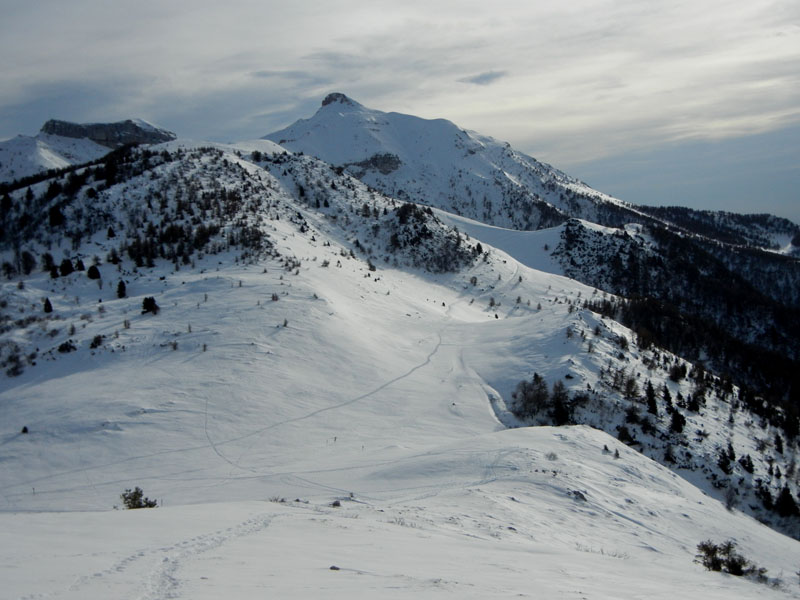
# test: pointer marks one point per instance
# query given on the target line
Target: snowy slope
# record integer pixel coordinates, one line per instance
(308, 411)
(61, 144)
(531, 248)
(23, 156)
(495, 516)
(298, 372)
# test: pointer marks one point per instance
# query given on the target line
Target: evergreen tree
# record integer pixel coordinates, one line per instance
(532, 397)
(47, 262)
(678, 422)
(121, 290)
(652, 407)
(28, 262)
(149, 305)
(6, 205)
(136, 499)
(631, 390)
(747, 463)
(66, 267)
(724, 462)
(56, 217)
(559, 399)
(785, 505)
(48, 308)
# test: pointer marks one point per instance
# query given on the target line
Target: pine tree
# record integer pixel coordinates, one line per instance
(747, 463)
(136, 499)
(652, 407)
(678, 422)
(66, 267)
(48, 308)
(724, 462)
(47, 262)
(532, 397)
(149, 305)
(28, 262)
(785, 505)
(121, 290)
(666, 395)
(559, 398)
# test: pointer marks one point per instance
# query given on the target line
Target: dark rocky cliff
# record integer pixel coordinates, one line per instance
(112, 135)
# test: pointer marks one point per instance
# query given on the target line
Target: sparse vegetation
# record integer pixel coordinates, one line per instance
(135, 498)
(725, 558)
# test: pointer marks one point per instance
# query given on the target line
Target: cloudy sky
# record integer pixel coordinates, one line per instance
(693, 103)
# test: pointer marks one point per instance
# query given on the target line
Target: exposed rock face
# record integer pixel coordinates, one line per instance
(385, 163)
(337, 97)
(111, 135)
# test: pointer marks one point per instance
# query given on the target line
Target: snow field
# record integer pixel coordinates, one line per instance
(383, 390)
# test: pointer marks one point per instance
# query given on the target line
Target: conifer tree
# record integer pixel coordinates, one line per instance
(650, 393)
(785, 505)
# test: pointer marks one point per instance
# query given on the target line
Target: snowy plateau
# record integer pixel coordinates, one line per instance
(329, 392)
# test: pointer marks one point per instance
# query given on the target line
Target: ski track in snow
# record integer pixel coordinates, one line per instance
(215, 445)
(320, 411)
(157, 568)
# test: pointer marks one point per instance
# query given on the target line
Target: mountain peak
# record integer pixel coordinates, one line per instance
(338, 97)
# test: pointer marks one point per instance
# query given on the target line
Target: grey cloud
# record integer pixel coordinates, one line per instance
(745, 174)
(486, 78)
(79, 101)
(292, 75)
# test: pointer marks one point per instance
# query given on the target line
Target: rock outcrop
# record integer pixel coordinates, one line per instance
(338, 97)
(111, 135)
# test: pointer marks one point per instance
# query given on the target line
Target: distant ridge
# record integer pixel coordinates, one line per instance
(61, 144)
(111, 135)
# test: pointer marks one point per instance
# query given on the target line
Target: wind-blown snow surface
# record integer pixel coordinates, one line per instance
(383, 390)
(498, 515)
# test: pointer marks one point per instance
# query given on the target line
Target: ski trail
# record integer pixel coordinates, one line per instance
(364, 396)
(215, 445)
(158, 567)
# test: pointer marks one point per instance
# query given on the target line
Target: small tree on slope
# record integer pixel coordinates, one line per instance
(135, 499)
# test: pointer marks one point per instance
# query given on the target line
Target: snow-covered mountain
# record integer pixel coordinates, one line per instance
(735, 278)
(434, 162)
(334, 396)
(24, 156)
(60, 144)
